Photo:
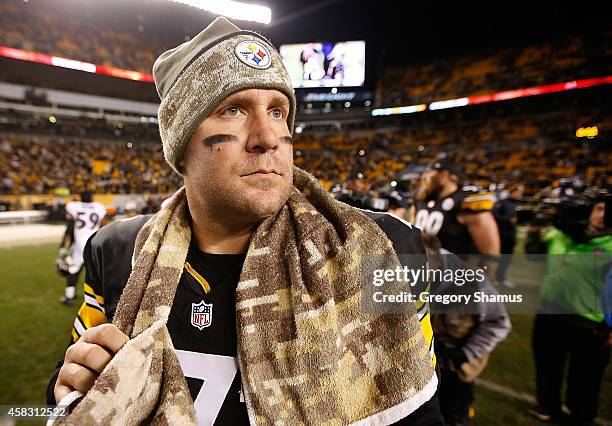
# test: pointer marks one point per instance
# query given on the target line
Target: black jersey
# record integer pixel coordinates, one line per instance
(202, 321)
(202, 325)
(440, 217)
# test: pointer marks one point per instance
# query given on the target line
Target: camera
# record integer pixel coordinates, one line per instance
(568, 208)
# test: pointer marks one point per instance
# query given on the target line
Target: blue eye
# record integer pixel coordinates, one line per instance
(277, 113)
(233, 111)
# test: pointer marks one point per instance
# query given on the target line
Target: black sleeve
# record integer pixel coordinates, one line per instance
(107, 257)
(92, 279)
(407, 242)
(427, 414)
(51, 385)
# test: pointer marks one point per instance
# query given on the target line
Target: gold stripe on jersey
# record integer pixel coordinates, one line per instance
(429, 336)
(87, 317)
(89, 289)
(422, 309)
(478, 202)
(89, 314)
(478, 206)
(199, 278)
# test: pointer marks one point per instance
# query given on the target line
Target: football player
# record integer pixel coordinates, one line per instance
(235, 156)
(460, 216)
(84, 219)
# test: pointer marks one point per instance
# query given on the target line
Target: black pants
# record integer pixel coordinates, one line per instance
(456, 398)
(557, 339)
(73, 279)
(508, 241)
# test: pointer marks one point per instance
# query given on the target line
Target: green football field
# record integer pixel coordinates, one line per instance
(35, 327)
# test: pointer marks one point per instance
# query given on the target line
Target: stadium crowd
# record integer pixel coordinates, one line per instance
(567, 59)
(72, 36)
(535, 151)
(36, 164)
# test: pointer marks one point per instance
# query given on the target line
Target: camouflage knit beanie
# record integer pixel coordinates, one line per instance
(195, 77)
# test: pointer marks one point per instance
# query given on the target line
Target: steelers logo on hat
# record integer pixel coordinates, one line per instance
(253, 54)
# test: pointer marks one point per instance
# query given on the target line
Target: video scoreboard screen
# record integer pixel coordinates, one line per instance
(340, 64)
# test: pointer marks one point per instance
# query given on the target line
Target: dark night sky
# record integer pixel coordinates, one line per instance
(405, 30)
(422, 30)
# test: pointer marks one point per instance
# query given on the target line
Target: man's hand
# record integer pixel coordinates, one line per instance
(86, 359)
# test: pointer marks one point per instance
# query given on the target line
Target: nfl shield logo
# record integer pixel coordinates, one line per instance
(201, 314)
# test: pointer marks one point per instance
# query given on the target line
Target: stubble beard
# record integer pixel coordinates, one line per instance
(238, 204)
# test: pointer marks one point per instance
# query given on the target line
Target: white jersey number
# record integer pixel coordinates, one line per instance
(217, 372)
(429, 222)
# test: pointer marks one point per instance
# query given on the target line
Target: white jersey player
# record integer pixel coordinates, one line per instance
(84, 219)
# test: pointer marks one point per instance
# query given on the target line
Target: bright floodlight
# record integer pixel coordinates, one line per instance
(233, 9)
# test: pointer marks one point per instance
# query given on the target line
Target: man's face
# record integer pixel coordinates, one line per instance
(596, 220)
(357, 185)
(518, 193)
(238, 165)
(430, 184)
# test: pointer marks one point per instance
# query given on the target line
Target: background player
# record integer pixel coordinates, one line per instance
(84, 219)
(460, 216)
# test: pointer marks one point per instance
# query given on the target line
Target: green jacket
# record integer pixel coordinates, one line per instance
(574, 276)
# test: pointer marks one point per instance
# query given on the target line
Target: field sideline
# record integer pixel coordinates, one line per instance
(35, 327)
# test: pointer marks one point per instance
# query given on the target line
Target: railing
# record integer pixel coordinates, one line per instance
(25, 216)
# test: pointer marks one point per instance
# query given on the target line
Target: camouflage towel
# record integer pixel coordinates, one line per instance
(307, 352)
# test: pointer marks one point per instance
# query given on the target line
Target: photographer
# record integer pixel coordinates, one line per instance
(570, 322)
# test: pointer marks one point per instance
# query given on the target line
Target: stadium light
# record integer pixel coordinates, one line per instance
(399, 110)
(232, 9)
(587, 132)
(72, 64)
(450, 103)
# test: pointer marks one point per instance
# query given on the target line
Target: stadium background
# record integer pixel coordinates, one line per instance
(58, 137)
